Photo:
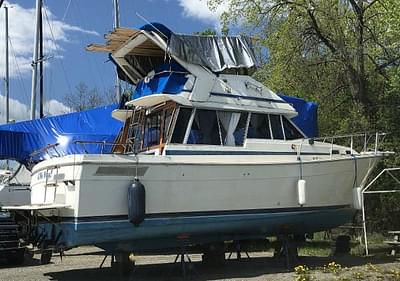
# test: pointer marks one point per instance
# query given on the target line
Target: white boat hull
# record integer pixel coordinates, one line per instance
(233, 195)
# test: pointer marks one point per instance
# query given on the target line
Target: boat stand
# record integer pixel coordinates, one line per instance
(121, 263)
(286, 248)
(104, 259)
(238, 251)
(183, 258)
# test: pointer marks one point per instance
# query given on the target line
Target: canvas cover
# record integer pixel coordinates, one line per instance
(307, 118)
(168, 78)
(214, 52)
(217, 53)
(19, 140)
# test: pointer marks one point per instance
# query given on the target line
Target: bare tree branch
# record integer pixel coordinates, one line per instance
(370, 4)
(319, 33)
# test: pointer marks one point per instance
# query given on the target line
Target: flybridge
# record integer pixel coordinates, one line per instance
(193, 70)
(190, 70)
(137, 52)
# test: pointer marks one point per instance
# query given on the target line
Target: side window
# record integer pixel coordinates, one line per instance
(291, 132)
(259, 127)
(206, 128)
(181, 125)
(152, 130)
(276, 127)
(233, 127)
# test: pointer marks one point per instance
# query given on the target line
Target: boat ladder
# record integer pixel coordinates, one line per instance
(134, 125)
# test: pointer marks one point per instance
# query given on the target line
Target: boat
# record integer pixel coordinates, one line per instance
(207, 154)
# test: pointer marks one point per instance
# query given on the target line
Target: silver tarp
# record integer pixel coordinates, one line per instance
(216, 53)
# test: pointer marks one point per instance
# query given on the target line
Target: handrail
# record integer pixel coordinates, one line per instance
(44, 149)
(104, 144)
(351, 137)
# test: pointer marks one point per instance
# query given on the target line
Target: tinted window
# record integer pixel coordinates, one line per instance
(181, 125)
(259, 127)
(276, 127)
(291, 132)
(206, 128)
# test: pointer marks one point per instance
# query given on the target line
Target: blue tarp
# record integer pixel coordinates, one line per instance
(168, 79)
(307, 118)
(19, 140)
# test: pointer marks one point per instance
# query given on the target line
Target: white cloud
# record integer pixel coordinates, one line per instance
(54, 107)
(20, 111)
(21, 34)
(198, 9)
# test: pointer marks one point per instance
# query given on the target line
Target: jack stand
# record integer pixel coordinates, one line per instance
(122, 263)
(238, 251)
(183, 262)
(287, 249)
(105, 257)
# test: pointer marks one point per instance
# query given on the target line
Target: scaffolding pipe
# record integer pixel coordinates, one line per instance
(365, 191)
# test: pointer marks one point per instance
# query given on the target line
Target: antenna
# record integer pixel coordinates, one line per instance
(146, 21)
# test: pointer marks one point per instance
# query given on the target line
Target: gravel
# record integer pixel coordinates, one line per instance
(83, 264)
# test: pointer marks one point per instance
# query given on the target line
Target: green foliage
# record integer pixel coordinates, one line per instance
(343, 54)
(207, 32)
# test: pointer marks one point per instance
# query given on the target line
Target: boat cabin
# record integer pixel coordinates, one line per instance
(151, 129)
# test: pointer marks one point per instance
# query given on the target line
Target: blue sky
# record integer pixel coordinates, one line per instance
(75, 24)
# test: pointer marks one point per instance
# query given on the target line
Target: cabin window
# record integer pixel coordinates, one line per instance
(276, 127)
(181, 124)
(291, 132)
(207, 128)
(259, 127)
(152, 130)
(240, 131)
(233, 127)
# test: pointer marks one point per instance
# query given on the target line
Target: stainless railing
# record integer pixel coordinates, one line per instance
(360, 141)
(126, 146)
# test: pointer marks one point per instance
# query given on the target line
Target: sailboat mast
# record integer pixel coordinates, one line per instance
(7, 78)
(41, 88)
(35, 60)
(116, 25)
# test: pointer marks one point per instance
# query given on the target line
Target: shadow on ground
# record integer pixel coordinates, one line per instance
(245, 268)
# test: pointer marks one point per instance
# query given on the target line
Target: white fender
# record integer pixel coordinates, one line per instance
(357, 201)
(301, 192)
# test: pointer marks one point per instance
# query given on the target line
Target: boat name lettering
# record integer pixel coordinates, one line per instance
(44, 175)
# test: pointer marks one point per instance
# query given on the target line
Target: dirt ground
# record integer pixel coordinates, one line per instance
(83, 264)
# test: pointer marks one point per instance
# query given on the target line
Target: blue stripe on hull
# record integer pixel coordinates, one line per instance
(157, 233)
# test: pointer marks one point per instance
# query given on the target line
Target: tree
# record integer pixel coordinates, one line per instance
(207, 31)
(351, 35)
(83, 98)
(344, 54)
